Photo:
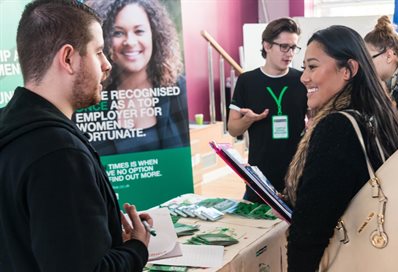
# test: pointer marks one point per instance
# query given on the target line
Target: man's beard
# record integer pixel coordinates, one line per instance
(85, 89)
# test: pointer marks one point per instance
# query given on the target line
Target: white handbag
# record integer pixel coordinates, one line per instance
(366, 236)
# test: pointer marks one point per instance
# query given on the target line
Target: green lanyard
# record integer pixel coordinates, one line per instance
(278, 100)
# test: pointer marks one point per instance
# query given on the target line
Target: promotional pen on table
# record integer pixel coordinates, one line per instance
(150, 229)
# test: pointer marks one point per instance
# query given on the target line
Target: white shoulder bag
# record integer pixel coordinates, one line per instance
(366, 236)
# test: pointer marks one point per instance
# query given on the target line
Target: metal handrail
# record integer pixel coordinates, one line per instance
(212, 43)
(223, 102)
(212, 104)
(221, 51)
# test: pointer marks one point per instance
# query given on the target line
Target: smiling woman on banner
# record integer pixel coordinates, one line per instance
(146, 91)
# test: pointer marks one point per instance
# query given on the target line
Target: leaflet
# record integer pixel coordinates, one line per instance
(165, 244)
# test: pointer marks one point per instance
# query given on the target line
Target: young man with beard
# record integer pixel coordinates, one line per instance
(271, 102)
(58, 211)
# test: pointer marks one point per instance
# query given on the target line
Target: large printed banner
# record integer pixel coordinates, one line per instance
(140, 127)
(10, 71)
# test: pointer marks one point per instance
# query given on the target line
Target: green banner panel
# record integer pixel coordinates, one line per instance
(150, 178)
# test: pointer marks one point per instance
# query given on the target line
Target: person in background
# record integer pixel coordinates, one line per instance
(142, 44)
(58, 211)
(382, 43)
(329, 166)
(270, 103)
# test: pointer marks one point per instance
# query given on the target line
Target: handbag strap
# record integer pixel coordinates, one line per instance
(380, 150)
(362, 142)
(378, 238)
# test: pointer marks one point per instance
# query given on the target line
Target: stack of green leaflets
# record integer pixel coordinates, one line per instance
(184, 229)
(158, 267)
(192, 210)
(227, 206)
(219, 239)
(210, 202)
(222, 204)
(254, 210)
(211, 209)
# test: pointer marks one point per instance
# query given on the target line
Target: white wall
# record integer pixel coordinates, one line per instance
(252, 36)
(252, 46)
(269, 10)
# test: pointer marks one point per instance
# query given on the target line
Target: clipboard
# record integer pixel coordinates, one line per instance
(254, 178)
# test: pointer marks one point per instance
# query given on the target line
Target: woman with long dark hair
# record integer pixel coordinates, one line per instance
(329, 166)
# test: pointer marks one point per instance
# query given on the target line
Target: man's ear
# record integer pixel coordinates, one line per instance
(266, 46)
(352, 70)
(66, 58)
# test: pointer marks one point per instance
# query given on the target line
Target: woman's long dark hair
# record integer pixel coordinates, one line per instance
(367, 95)
(362, 93)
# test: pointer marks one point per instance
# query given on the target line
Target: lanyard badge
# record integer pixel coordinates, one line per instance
(280, 127)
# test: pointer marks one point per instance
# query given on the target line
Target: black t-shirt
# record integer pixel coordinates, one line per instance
(272, 156)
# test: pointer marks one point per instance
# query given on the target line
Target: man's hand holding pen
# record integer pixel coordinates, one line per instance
(137, 229)
(149, 228)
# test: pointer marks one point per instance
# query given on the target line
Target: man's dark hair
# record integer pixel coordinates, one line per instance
(46, 26)
(275, 28)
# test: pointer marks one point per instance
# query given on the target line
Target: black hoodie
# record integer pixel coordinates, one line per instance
(58, 211)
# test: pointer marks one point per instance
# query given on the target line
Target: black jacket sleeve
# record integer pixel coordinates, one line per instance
(72, 220)
(335, 171)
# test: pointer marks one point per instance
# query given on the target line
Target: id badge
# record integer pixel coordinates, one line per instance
(280, 127)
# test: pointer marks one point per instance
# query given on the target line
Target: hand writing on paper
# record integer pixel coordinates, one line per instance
(135, 230)
(251, 116)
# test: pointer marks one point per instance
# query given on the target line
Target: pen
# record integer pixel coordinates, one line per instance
(150, 229)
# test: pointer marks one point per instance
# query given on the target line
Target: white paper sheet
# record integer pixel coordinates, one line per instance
(196, 256)
(164, 244)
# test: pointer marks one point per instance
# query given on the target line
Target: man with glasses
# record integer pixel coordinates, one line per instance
(270, 103)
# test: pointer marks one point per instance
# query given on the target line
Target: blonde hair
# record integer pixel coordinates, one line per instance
(383, 35)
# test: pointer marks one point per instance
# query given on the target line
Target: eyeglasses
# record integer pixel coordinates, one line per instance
(380, 53)
(284, 47)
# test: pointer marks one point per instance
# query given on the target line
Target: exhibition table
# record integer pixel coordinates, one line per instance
(261, 244)
(261, 247)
